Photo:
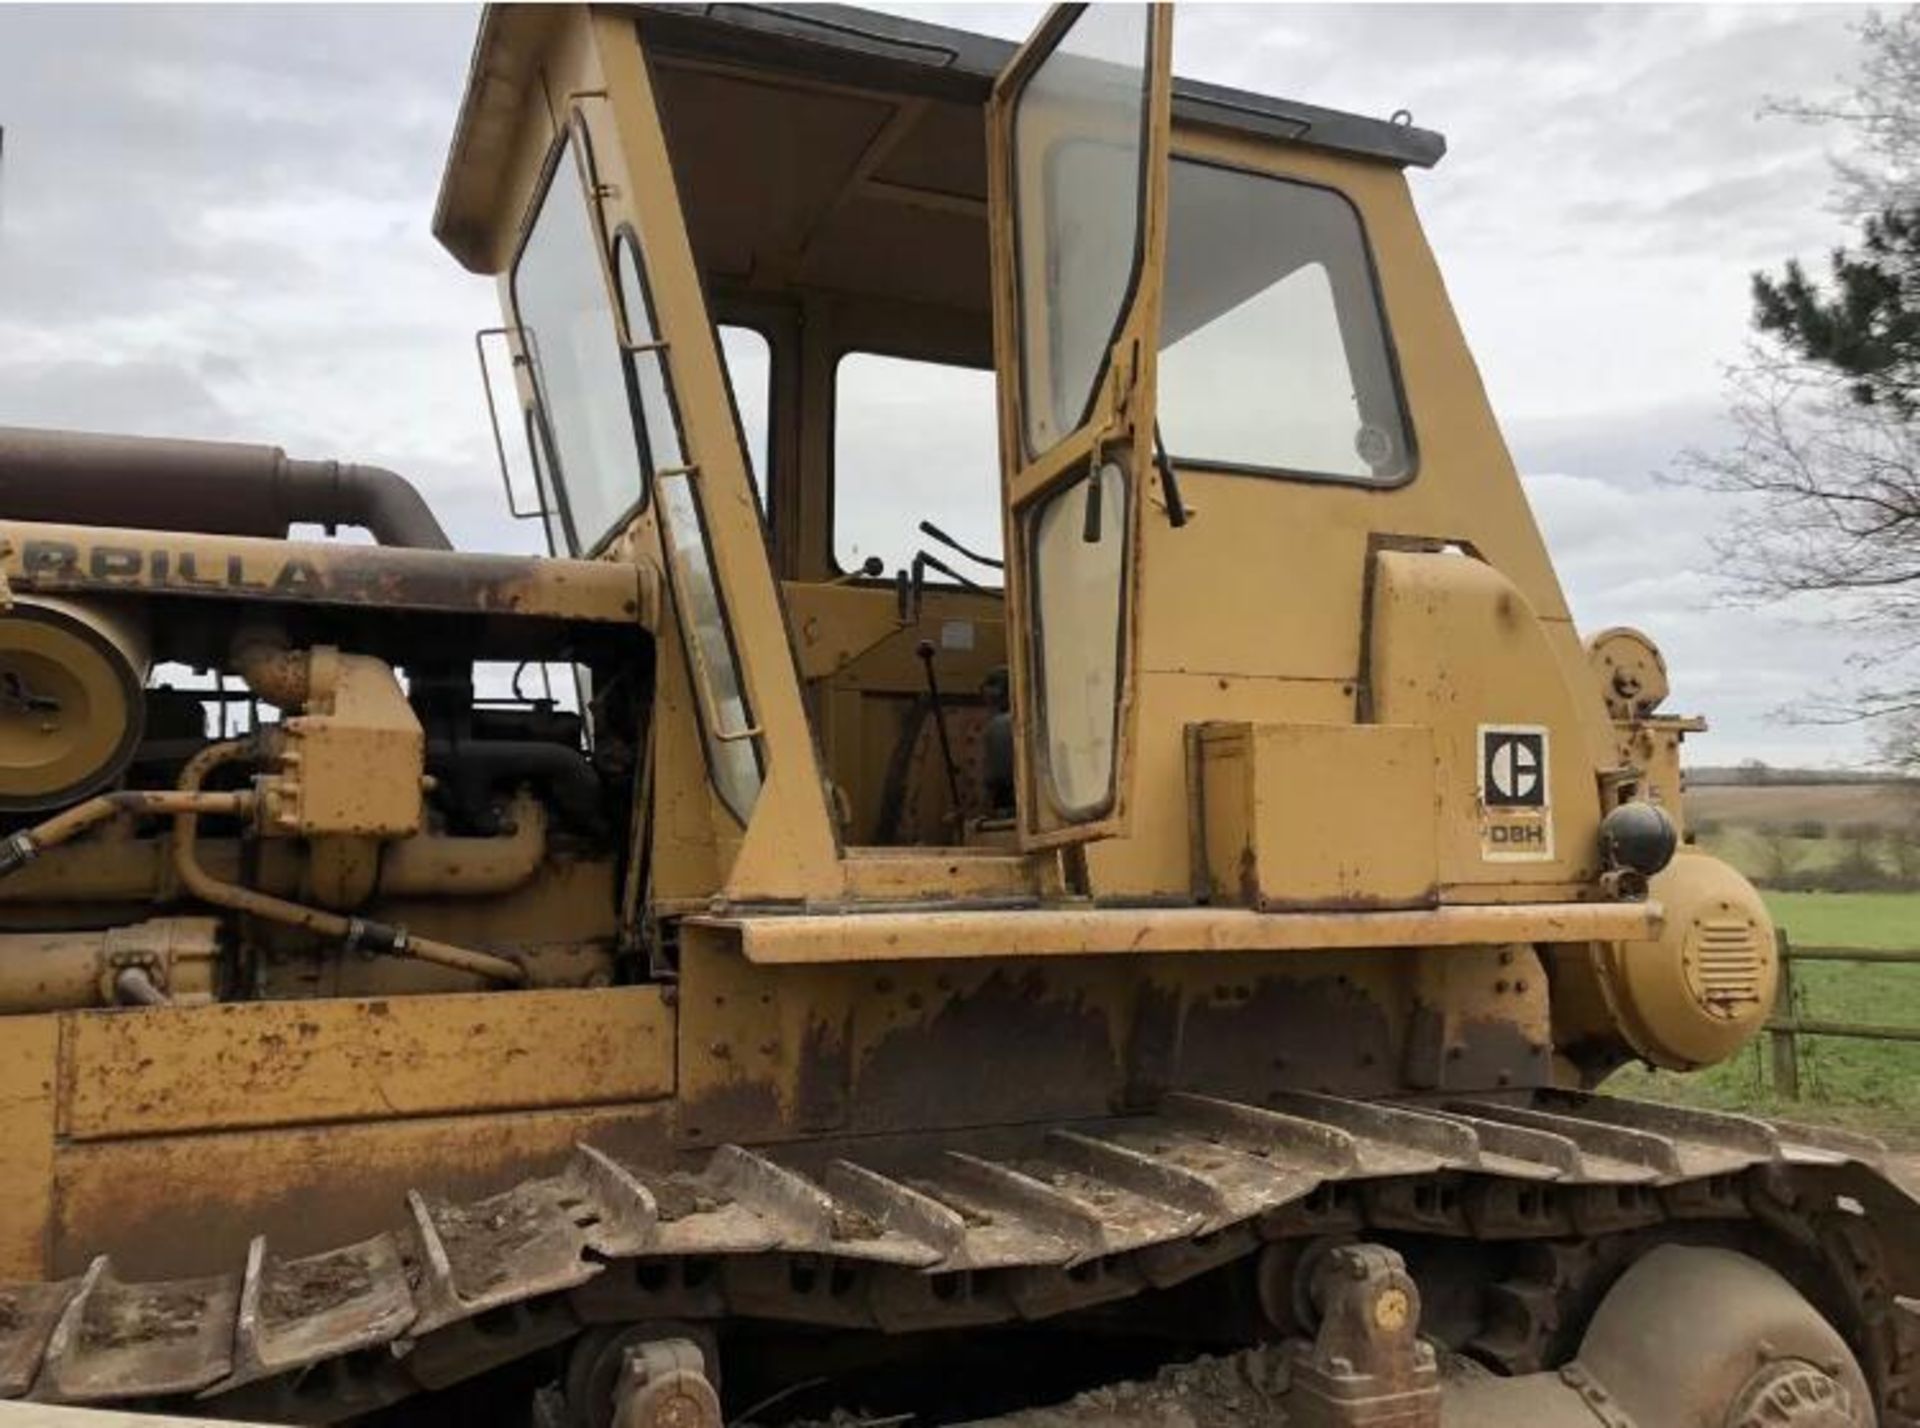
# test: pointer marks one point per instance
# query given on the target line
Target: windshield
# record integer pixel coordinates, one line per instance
(567, 324)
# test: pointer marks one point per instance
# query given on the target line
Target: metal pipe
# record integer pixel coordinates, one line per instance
(23, 847)
(50, 971)
(134, 988)
(272, 671)
(376, 938)
(164, 961)
(214, 487)
(446, 866)
(429, 864)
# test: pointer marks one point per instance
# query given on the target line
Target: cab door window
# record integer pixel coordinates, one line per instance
(1079, 142)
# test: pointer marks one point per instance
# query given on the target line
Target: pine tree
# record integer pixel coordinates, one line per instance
(1865, 325)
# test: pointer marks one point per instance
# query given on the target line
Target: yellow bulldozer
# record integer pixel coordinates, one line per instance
(865, 913)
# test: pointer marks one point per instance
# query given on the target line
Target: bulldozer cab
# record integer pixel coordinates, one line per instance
(1253, 604)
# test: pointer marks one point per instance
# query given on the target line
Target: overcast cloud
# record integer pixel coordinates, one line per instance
(214, 222)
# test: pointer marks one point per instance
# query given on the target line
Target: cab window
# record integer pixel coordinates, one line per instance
(749, 364)
(573, 347)
(1274, 356)
(914, 441)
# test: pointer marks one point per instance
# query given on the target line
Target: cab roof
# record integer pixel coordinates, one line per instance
(835, 44)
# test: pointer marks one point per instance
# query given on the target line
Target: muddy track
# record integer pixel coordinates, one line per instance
(927, 1232)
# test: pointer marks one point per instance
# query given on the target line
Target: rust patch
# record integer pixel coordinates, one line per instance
(825, 1074)
(1153, 1046)
(1249, 877)
(1012, 1049)
(308, 572)
(1491, 1053)
(1473, 1053)
(1246, 1038)
(745, 1111)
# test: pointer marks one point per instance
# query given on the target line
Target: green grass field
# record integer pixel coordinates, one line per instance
(1874, 1084)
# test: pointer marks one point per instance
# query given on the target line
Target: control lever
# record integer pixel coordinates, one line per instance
(925, 651)
(923, 562)
(910, 584)
(1177, 513)
(928, 528)
(872, 568)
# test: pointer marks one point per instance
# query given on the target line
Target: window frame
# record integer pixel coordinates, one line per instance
(626, 234)
(1389, 344)
(546, 481)
(853, 577)
(1049, 35)
(705, 701)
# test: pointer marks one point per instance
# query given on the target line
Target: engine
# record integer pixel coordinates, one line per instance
(238, 765)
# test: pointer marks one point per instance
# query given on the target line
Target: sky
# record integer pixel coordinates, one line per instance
(214, 223)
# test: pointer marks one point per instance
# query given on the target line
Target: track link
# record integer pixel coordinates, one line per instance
(920, 1234)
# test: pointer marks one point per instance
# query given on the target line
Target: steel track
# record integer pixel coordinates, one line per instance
(922, 1233)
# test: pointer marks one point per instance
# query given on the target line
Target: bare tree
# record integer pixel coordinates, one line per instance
(1823, 476)
(1881, 113)
(1826, 512)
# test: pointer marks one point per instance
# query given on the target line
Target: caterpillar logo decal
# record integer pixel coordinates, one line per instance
(1516, 821)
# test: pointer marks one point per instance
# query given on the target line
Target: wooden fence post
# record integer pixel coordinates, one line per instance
(1786, 1049)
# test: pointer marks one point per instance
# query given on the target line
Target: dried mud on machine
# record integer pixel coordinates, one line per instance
(1197, 908)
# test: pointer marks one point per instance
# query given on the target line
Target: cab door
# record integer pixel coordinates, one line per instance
(1078, 137)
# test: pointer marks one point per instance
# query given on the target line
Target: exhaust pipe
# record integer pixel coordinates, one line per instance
(211, 487)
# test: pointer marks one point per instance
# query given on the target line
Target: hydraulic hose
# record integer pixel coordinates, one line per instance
(360, 934)
(187, 803)
(23, 847)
